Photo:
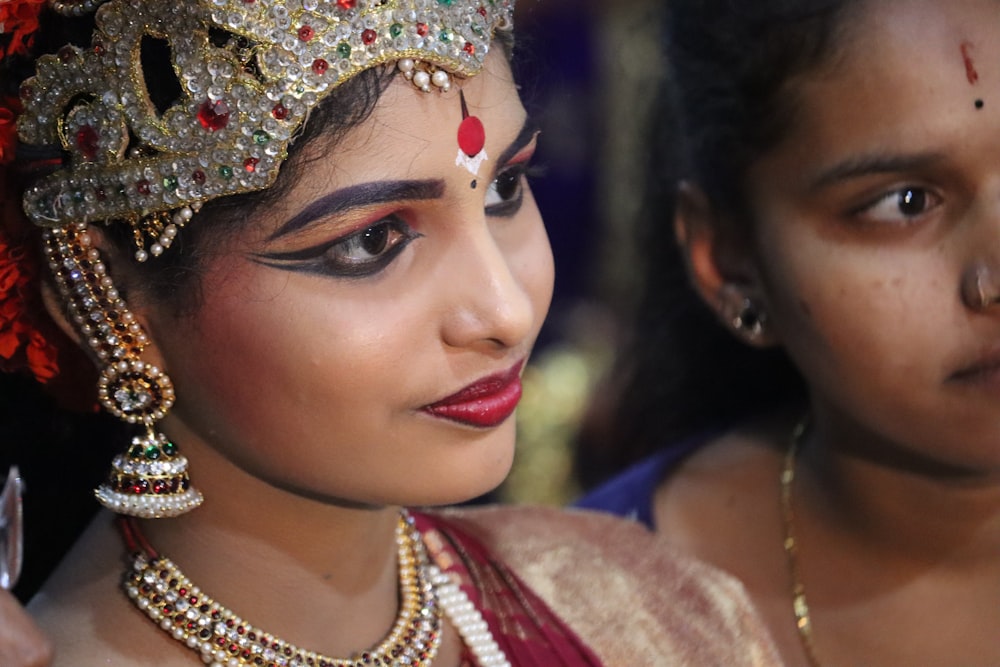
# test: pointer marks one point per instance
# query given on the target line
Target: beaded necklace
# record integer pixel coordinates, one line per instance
(158, 588)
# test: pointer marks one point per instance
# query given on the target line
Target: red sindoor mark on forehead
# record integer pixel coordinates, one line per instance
(970, 69)
(970, 66)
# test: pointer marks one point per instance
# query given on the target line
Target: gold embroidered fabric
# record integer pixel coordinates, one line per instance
(630, 597)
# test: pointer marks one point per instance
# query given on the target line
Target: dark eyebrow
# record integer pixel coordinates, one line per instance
(524, 137)
(358, 196)
(868, 165)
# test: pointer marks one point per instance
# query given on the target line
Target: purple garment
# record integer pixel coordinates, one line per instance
(630, 493)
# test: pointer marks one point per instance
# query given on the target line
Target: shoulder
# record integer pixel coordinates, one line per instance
(105, 630)
(626, 592)
(630, 493)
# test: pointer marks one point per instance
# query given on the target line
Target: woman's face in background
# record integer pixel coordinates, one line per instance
(336, 331)
(871, 214)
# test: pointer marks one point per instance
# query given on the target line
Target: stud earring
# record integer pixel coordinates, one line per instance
(150, 480)
(743, 313)
(750, 320)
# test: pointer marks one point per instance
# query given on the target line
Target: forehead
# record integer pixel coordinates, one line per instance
(407, 126)
(900, 73)
(910, 49)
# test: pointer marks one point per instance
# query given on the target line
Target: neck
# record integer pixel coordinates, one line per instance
(902, 509)
(275, 557)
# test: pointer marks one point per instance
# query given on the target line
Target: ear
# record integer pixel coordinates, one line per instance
(720, 263)
(59, 311)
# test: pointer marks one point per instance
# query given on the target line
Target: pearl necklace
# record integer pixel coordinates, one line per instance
(223, 639)
(803, 622)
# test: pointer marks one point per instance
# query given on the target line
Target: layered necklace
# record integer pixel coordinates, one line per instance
(223, 639)
(800, 606)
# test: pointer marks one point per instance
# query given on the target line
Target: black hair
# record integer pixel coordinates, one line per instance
(728, 99)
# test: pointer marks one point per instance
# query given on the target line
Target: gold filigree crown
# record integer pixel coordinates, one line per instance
(248, 72)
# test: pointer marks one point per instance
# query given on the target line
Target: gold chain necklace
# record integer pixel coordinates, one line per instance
(190, 616)
(803, 622)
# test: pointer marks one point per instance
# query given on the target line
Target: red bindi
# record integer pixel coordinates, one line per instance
(471, 133)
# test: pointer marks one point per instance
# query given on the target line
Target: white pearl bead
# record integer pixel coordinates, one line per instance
(422, 80)
(405, 65)
(440, 78)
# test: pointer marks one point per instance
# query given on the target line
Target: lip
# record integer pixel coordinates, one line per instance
(485, 403)
(984, 369)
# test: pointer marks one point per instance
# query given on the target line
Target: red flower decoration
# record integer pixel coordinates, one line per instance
(10, 107)
(29, 339)
(21, 344)
(19, 19)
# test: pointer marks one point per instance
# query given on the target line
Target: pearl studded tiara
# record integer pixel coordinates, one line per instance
(248, 73)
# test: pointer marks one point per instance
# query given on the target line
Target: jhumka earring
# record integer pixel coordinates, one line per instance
(151, 479)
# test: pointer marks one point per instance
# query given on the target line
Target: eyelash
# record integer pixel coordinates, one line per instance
(318, 259)
(926, 199)
(520, 172)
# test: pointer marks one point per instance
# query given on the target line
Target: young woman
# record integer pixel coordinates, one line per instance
(841, 203)
(297, 241)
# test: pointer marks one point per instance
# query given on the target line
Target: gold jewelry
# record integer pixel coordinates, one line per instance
(247, 74)
(803, 621)
(151, 479)
(180, 608)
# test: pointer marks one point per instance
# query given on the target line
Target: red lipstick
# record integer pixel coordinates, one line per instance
(485, 403)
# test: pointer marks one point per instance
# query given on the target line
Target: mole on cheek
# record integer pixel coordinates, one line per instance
(804, 307)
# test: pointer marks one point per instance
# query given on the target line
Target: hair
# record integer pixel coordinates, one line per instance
(729, 98)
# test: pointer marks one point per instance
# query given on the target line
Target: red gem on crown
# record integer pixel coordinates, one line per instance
(87, 141)
(213, 116)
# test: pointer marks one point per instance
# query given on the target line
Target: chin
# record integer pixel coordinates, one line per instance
(459, 484)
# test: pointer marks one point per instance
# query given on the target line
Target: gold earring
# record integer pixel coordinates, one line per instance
(150, 480)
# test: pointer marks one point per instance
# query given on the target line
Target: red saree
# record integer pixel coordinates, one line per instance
(528, 632)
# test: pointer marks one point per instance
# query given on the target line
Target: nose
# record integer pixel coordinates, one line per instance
(981, 286)
(490, 293)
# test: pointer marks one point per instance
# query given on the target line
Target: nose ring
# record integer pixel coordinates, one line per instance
(980, 287)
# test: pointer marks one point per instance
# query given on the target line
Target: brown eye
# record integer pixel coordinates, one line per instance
(508, 184)
(912, 201)
(504, 196)
(900, 206)
(374, 239)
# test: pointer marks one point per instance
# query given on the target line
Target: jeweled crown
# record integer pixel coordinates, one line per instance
(247, 74)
